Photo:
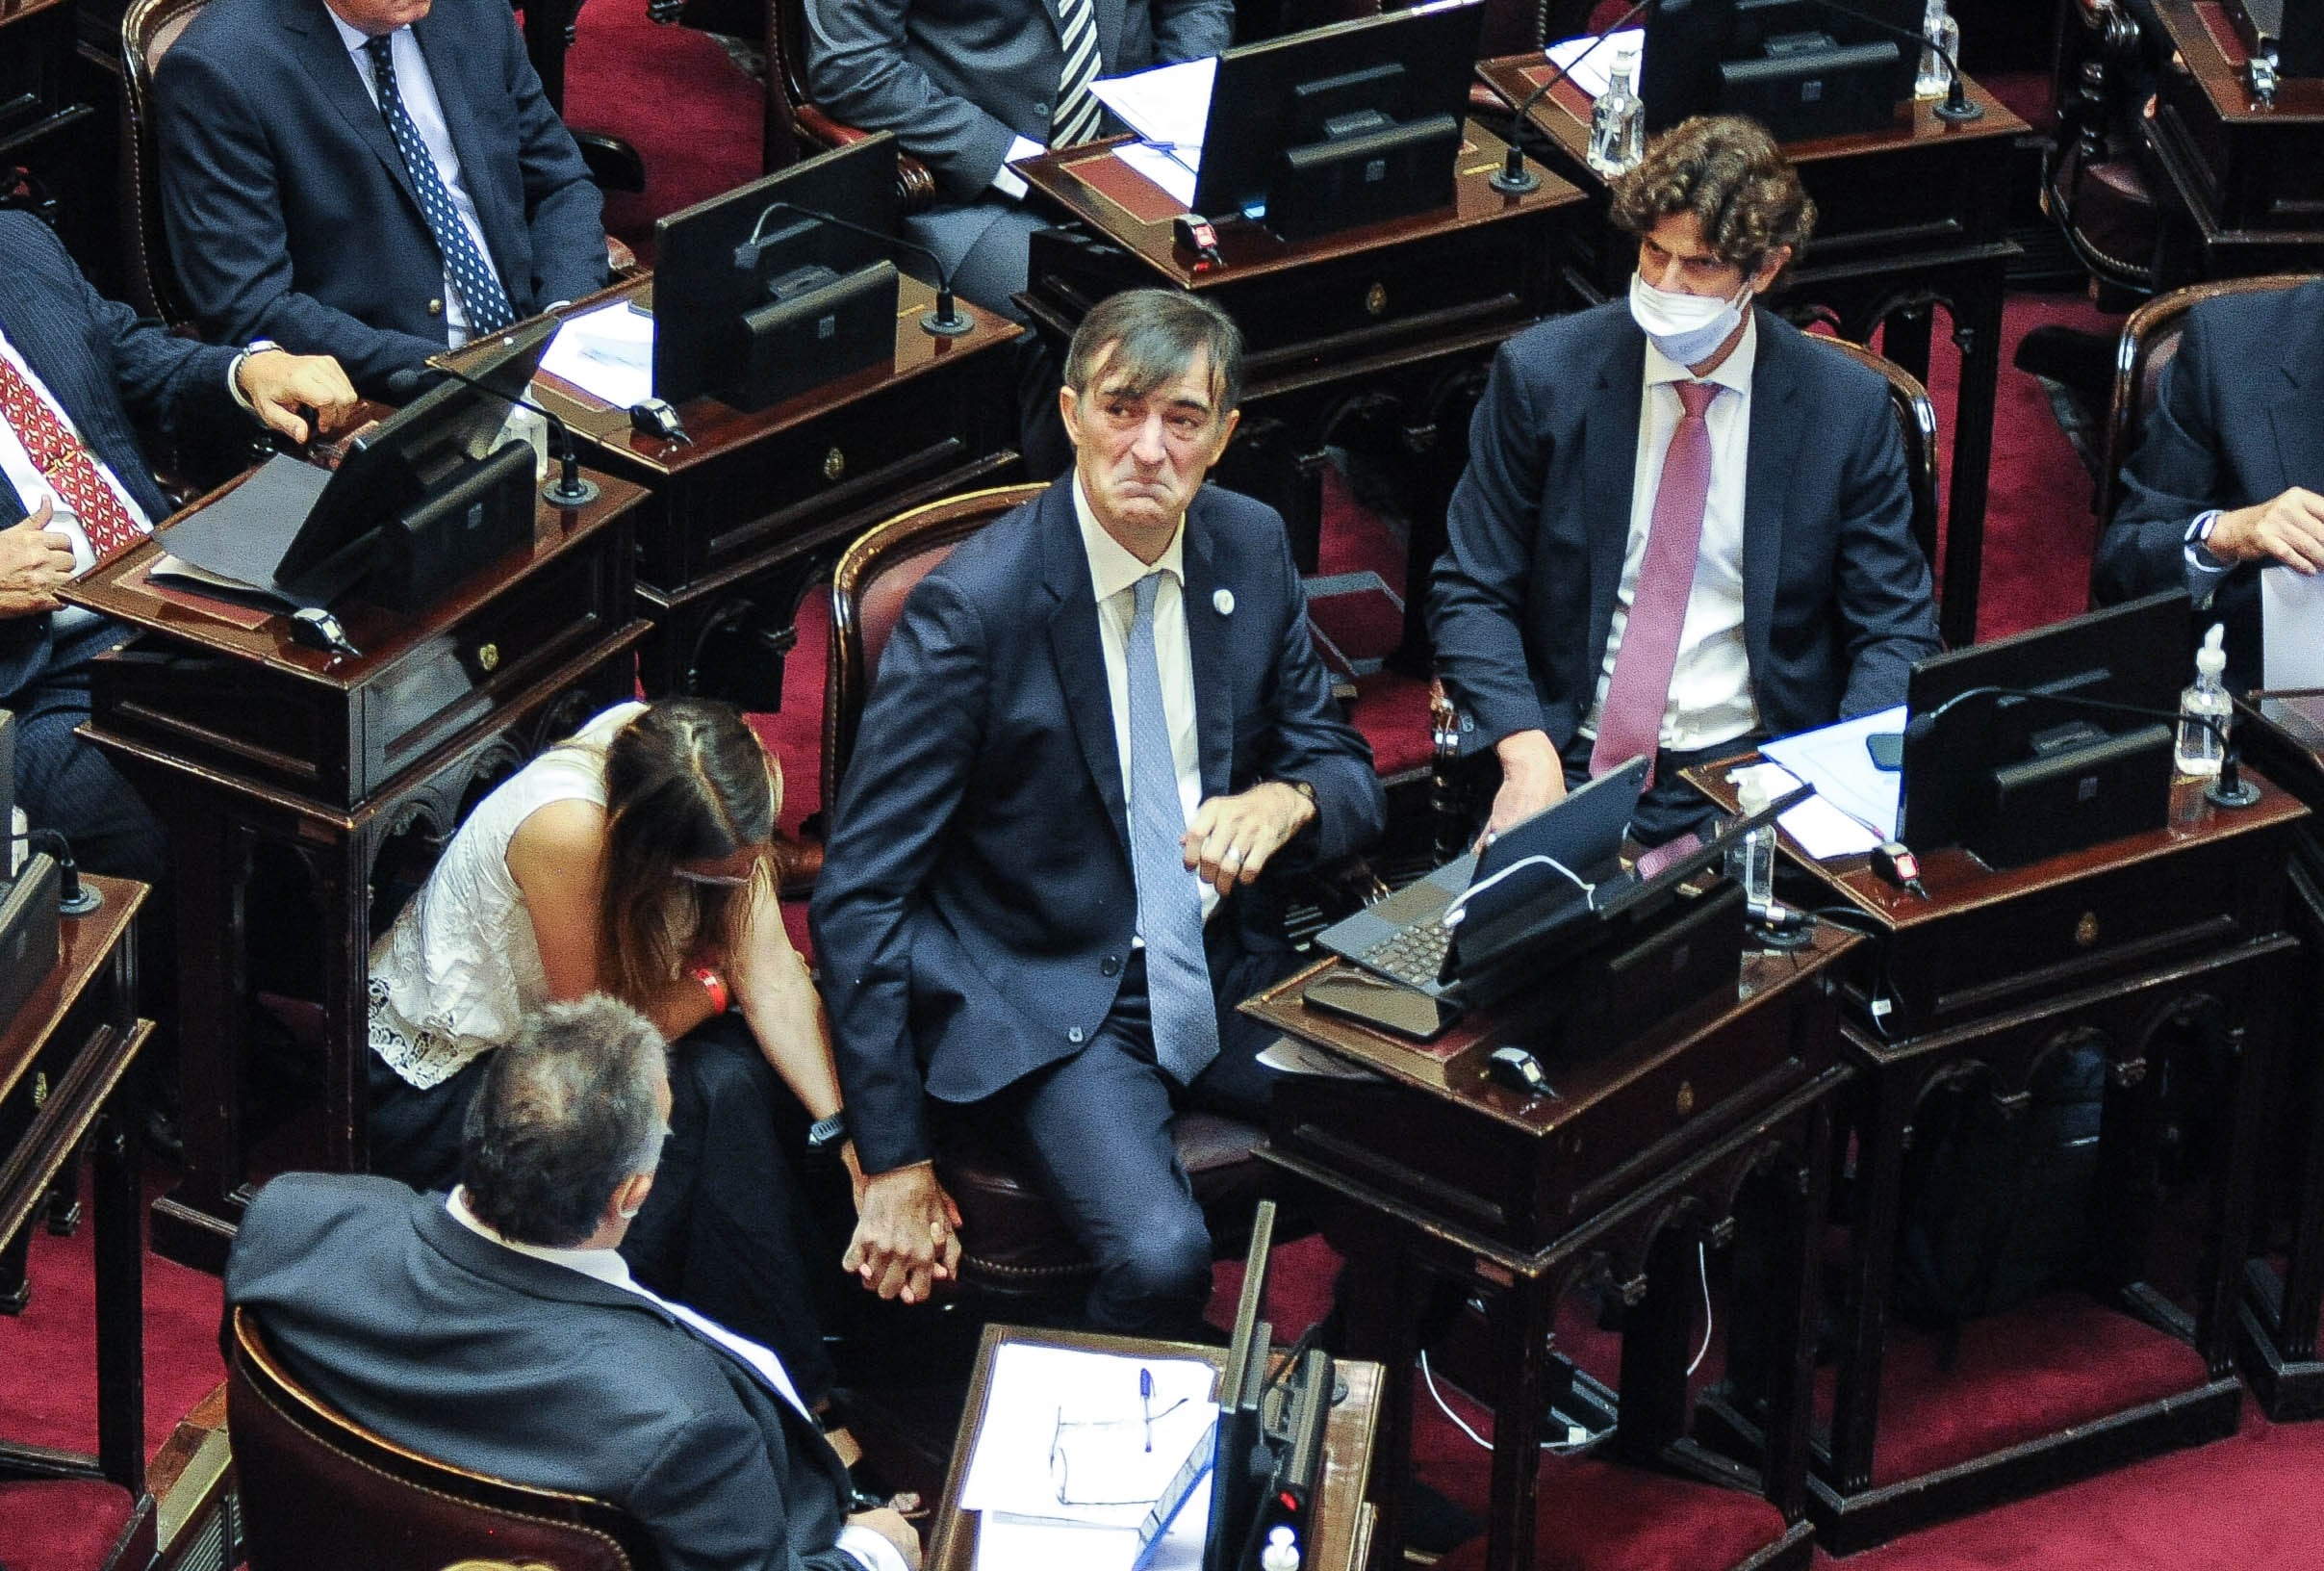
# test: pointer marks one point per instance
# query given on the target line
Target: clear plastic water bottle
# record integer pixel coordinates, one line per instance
(1752, 862)
(2200, 749)
(1943, 33)
(1618, 124)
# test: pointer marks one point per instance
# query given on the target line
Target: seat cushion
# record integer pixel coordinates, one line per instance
(67, 1525)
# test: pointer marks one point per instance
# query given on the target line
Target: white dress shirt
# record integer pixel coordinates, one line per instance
(1005, 180)
(417, 90)
(607, 1266)
(32, 487)
(1711, 683)
(1114, 574)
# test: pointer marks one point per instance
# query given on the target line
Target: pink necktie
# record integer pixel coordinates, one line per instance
(67, 466)
(1639, 690)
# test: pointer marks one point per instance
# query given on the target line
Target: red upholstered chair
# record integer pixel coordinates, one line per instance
(318, 1489)
(1013, 1242)
(2150, 339)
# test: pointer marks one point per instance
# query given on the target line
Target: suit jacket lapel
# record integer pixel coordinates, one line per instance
(1774, 444)
(336, 77)
(1209, 636)
(1611, 468)
(1079, 656)
(2299, 434)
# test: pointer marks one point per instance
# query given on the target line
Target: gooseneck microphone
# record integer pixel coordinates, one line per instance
(1513, 178)
(2228, 788)
(570, 488)
(1957, 105)
(945, 320)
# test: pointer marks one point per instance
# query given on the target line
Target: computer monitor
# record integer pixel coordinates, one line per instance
(1345, 125)
(2011, 750)
(756, 300)
(1801, 68)
(421, 452)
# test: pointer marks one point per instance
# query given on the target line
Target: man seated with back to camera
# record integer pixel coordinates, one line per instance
(2228, 477)
(1098, 721)
(498, 1328)
(1682, 526)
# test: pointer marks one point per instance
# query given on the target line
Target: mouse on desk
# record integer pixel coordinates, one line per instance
(1517, 1071)
(317, 628)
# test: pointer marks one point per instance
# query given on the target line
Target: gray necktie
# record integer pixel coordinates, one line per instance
(1169, 896)
(1077, 110)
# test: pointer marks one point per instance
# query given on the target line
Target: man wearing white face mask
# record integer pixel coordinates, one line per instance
(1682, 525)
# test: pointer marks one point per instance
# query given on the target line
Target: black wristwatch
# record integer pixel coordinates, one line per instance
(826, 1135)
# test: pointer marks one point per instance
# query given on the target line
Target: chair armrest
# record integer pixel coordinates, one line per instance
(913, 183)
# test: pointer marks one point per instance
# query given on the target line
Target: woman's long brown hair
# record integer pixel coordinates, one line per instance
(686, 780)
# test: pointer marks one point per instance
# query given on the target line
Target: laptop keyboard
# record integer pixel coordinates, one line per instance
(1415, 956)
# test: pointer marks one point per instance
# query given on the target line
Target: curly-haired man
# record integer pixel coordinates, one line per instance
(1683, 527)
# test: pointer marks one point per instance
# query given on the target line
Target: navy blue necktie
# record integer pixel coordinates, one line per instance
(1169, 895)
(487, 303)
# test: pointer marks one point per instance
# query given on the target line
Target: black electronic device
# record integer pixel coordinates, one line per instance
(29, 929)
(1240, 1469)
(453, 531)
(1350, 124)
(1886, 749)
(1801, 67)
(2290, 30)
(1513, 1068)
(1990, 766)
(781, 285)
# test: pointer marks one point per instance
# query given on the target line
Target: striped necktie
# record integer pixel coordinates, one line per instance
(480, 291)
(1076, 119)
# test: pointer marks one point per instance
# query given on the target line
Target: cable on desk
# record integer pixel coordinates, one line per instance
(1703, 1264)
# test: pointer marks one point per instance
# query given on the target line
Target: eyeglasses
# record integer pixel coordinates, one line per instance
(722, 881)
(1101, 1431)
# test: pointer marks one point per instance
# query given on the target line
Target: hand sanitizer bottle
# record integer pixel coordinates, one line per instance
(1752, 862)
(1944, 33)
(1618, 124)
(2200, 749)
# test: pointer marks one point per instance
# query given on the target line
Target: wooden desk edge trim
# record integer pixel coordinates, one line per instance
(26, 1177)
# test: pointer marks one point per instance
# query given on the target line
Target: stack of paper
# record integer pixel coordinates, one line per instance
(1855, 808)
(1170, 108)
(1594, 73)
(608, 353)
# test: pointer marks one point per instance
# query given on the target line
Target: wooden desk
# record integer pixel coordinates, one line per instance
(62, 1056)
(740, 523)
(1341, 1534)
(234, 734)
(46, 125)
(1907, 218)
(1392, 323)
(2242, 184)
(2162, 949)
(1431, 1169)
(2277, 1317)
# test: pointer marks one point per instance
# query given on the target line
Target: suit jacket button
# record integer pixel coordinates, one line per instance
(1075, 1034)
(435, 308)
(1112, 965)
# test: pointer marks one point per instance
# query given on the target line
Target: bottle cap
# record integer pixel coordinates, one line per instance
(1751, 795)
(2211, 658)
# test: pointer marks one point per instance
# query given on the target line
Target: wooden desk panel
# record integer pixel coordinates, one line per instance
(1341, 1536)
(1907, 218)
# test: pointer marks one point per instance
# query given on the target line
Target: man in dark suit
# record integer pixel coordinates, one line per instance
(968, 85)
(2229, 474)
(372, 179)
(76, 370)
(499, 1329)
(1682, 525)
(1096, 723)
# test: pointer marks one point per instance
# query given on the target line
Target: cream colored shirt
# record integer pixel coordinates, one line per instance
(1114, 574)
(1711, 683)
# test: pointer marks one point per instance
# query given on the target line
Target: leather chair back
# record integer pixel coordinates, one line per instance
(148, 29)
(795, 128)
(2150, 341)
(318, 1489)
(1917, 429)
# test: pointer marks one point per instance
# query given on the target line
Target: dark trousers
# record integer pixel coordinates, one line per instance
(727, 1229)
(1669, 806)
(1095, 1130)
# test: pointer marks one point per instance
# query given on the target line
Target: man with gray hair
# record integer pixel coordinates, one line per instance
(498, 1330)
(1096, 724)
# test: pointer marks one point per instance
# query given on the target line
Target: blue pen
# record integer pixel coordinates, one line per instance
(1145, 1402)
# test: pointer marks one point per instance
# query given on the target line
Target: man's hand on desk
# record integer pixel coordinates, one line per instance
(2288, 529)
(1533, 777)
(278, 383)
(34, 563)
(1231, 836)
(891, 1525)
(907, 1234)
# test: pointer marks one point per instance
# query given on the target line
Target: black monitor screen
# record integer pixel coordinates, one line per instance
(1688, 42)
(1397, 73)
(701, 290)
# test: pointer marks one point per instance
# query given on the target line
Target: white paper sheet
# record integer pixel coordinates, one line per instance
(1835, 763)
(1167, 170)
(1096, 1397)
(1023, 1543)
(1821, 830)
(608, 353)
(2291, 628)
(1168, 106)
(1594, 74)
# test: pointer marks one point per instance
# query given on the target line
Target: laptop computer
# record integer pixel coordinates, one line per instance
(1551, 859)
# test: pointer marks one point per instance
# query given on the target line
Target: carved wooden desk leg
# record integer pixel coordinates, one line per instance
(1883, 1113)
(1978, 333)
(1382, 1295)
(339, 871)
(1521, 1320)
(121, 1269)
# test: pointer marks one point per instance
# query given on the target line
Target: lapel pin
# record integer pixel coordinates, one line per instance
(1224, 600)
